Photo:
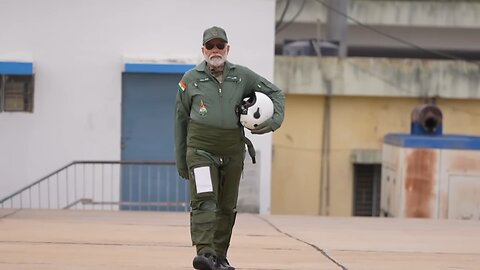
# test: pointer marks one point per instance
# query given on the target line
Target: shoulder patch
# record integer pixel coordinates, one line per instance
(182, 86)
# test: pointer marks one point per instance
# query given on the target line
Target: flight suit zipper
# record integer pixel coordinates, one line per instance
(221, 101)
(220, 94)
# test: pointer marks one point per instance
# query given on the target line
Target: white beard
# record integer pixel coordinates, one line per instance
(215, 60)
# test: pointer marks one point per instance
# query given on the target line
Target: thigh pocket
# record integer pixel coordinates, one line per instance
(203, 179)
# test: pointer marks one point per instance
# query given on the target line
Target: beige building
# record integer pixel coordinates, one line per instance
(327, 155)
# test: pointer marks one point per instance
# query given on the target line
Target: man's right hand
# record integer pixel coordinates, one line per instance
(183, 173)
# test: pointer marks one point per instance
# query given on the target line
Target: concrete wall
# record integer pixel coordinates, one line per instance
(387, 12)
(378, 77)
(78, 49)
(370, 98)
(429, 24)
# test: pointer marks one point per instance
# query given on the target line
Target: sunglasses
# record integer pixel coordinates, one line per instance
(219, 46)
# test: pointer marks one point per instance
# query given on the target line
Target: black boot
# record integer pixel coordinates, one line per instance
(223, 264)
(204, 262)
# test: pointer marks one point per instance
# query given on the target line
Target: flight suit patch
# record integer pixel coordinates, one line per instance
(182, 86)
(203, 110)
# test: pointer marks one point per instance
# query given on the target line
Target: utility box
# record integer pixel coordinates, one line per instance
(426, 174)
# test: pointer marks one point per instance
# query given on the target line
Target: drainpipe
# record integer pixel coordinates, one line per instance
(336, 30)
(325, 163)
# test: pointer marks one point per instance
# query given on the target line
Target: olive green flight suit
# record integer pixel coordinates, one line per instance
(210, 139)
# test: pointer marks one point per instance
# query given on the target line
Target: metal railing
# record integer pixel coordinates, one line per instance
(106, 185)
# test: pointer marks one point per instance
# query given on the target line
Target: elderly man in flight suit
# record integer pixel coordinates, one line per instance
(210, 143)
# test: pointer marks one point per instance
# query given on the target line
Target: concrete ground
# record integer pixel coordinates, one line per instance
(107, 240)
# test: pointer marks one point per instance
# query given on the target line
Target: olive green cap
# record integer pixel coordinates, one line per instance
(214, 32)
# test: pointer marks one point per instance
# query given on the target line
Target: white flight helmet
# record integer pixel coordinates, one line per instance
(255, 109)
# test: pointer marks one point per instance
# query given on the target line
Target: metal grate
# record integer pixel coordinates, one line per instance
(367, 179)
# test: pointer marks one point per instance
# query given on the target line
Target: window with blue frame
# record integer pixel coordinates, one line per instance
(16, 87)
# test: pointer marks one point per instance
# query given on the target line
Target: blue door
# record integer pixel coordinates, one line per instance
(149, 178)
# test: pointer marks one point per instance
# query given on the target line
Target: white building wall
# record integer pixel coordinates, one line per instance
(78, 49)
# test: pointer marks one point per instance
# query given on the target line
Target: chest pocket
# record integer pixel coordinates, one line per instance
(199, 92)
(203, 86)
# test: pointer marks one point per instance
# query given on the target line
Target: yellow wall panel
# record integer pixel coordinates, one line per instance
(296, 157)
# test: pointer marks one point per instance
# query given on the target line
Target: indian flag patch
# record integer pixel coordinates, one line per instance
(182, 86)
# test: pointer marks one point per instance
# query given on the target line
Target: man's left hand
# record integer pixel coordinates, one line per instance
(263, 128)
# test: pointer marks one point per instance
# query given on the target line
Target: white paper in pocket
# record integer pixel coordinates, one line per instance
(203, 180)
